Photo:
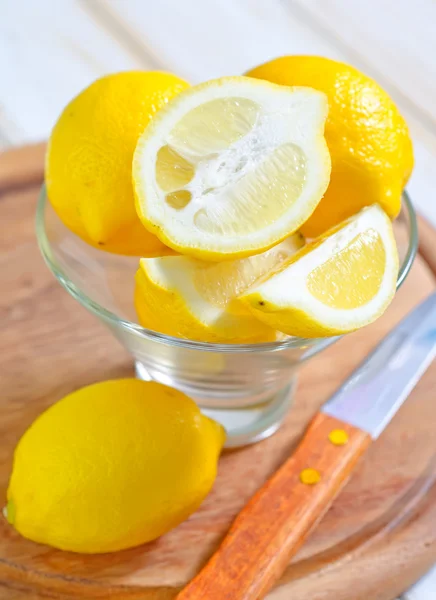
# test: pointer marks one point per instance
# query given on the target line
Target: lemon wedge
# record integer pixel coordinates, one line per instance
(336, 284)
(189, 298)
(231, 167)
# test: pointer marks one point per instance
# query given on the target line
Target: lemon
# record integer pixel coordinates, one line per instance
(89, 159)
(231, 167)
(335, 284)
(112, 466)
(189, 298)
(368, 139)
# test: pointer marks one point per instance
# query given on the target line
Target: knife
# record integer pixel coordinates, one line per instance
(277, 520)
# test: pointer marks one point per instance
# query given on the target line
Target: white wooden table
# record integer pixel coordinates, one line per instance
(51, 49)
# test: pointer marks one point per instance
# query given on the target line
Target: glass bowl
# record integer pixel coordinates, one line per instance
(246, 387)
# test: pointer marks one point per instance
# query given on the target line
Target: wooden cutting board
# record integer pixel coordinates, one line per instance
(378, 537)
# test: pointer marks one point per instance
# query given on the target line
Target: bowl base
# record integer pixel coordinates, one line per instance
(249, 424)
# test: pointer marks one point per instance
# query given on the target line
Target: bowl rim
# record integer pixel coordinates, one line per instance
(116, 321)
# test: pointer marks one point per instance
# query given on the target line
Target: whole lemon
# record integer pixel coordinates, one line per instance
(89, 159)
(112, 466)
(368, 139)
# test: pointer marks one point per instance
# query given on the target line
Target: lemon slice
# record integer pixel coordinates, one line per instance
(336, 284)
(232, 166)
(189, 298)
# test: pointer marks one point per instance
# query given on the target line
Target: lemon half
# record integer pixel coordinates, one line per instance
(231, 167)
(193, 299)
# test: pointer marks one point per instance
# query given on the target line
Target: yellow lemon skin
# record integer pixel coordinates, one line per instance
(165, 311)
(112, 466)
(368, 139)
(89, 159)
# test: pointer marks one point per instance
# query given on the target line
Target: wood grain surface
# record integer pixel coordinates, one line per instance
(378, 537)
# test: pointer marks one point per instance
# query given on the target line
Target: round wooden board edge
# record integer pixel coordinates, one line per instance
(23, 168)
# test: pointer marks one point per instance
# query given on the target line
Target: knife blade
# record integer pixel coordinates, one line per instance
(379, 386)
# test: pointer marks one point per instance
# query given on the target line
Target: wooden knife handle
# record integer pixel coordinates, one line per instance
(276, 521)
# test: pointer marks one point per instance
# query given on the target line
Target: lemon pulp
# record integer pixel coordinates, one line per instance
(232, 167)
(353, 276)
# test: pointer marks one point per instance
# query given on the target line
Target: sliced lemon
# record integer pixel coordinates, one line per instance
(231, 167)
(334, 285)
(189, 298)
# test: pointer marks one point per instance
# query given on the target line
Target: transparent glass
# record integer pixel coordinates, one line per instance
(246, 387)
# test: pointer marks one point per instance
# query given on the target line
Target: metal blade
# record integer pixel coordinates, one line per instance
(379, 386)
